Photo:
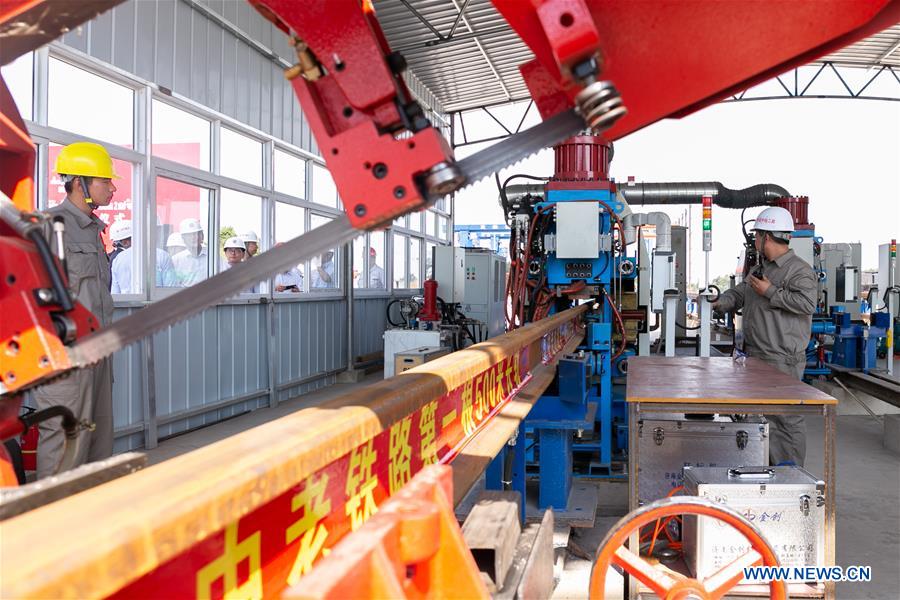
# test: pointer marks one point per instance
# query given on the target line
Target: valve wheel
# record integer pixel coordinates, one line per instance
(672, 586)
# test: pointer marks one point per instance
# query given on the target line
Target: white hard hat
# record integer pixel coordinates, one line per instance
(175, 241)
(120, 230)
(234, 242)
(774, 218)
(249, 236)
(189, 226)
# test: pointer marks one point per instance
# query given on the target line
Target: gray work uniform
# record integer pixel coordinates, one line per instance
(87, 392)
(776, 330)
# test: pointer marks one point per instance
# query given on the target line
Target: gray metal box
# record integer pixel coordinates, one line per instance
(787, 504)
(450, 273)
(577, 230)
(485, 297)
(665, 447)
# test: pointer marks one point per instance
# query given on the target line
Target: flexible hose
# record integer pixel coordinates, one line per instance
(70, 427)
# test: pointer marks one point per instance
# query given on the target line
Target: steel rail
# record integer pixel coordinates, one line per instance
(273, 498)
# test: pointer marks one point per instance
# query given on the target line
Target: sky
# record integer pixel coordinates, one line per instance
(844, 154)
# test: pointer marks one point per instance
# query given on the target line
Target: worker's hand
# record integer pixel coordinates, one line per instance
(759, 284)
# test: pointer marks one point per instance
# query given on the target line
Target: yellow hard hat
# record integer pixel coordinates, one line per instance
(85, 159)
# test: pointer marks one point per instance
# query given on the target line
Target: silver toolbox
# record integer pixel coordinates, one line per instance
(666, 446)
(787, 504)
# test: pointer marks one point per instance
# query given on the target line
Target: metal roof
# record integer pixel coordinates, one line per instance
(881, 49)
(470, 57)
(466, 61)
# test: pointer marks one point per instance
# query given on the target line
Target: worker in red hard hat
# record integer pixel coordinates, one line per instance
(778, 300)
(87, 171)
(376, 273)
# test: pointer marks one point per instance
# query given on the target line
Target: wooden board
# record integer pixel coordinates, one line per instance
(715, 381)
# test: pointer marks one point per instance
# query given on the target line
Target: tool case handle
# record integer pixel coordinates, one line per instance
(751, 473)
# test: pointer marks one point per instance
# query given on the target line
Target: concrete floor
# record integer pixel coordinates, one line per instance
(868, 494)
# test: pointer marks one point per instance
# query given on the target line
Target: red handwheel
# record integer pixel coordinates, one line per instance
(672, 586)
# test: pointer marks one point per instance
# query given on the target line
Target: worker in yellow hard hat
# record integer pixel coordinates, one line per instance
(87, 172)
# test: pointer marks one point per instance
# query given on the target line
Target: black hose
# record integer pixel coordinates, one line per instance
(69, 422)
(508, 467)
(685, 327)
(56, 280)
(387, 313)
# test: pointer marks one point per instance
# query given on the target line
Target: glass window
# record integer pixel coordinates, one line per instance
(289, 223)
(106, 112)
(399, 242)
(180, 136)
(240, 216)
(323, 190)
(290, 174)
(323, 268)
(19, 78)
(415, 221)
(429, 224)
(182, 236)
(415, 263)
(359, 262)
(400, 222)
(443, 228)
(377, 279)
(241, 157)
(429, 260)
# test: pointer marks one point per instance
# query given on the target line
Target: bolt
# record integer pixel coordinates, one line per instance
(44, 362)
(10, 377)
(380, 170)
(12, 348)
(359, 210)
(45, 295)
(399, 192)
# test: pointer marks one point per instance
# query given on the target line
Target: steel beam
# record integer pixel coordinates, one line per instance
(281, 493)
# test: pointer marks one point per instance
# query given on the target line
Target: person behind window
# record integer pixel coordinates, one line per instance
(290, 280)
(174, 244)
(87, 172)
(120, 235)
(191, 264)
(251, 243)
(376, 273)
(323, 276)
(235, 254)
(122, 263)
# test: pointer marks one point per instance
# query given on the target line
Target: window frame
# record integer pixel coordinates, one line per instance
(146, 168)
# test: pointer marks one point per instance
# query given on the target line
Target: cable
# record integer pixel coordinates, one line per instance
(686, 328)
(620, 324)
(387, 313)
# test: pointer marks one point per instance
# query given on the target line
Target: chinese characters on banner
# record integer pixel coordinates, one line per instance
(274, 545)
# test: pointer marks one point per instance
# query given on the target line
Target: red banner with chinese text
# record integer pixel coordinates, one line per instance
(270, 548)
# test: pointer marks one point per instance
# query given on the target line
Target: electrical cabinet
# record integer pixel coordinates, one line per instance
(485, 289)
(841, 265)
(450, 273)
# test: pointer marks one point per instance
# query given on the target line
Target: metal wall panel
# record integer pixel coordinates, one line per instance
(144, 39)
(222, 354)
(369, 324)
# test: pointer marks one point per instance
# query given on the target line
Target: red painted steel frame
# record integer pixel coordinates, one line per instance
(669, 58)
(354, 109)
